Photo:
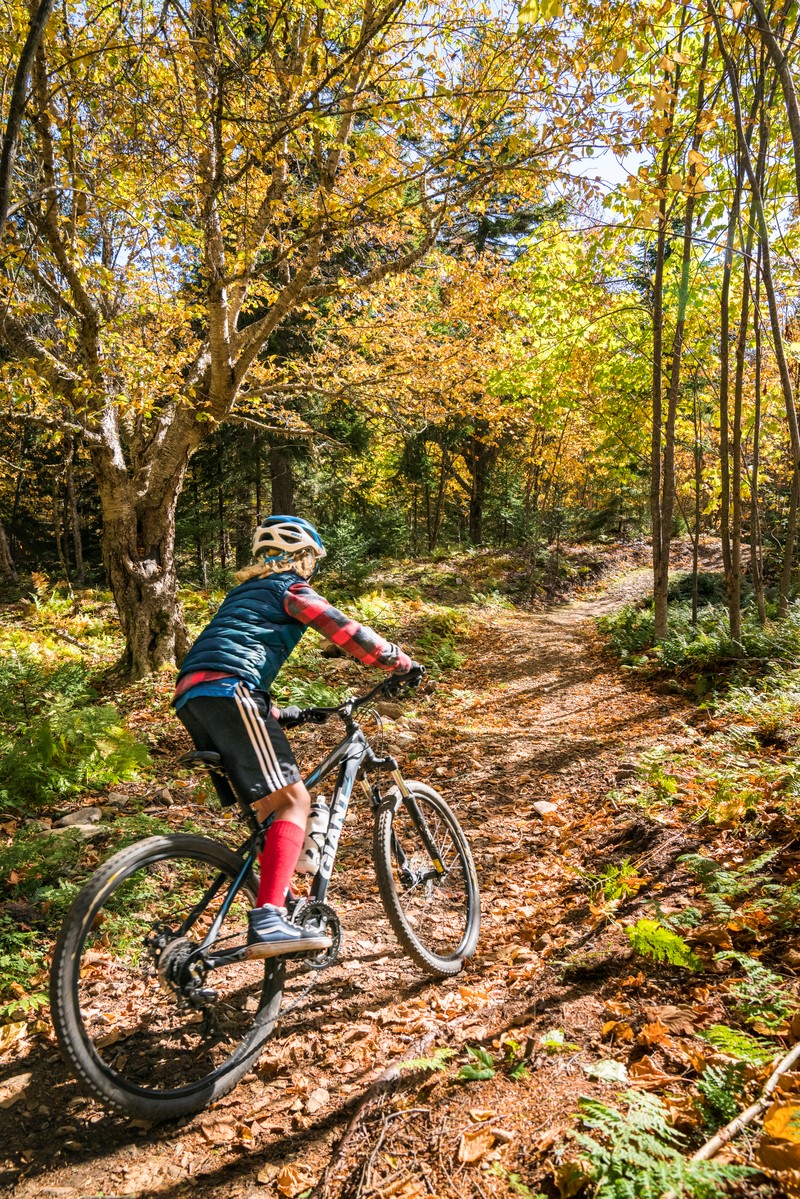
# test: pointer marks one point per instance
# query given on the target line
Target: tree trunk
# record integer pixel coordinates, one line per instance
(139, 557)
(280, 466)
(480, 460)
(436, 522)
(788, 549)
(660, 568)
(698, 492)
(258, 441)
(756, 563)
(7, 570)
(57, 529)
(74, 515)
(769, 284)
(668, 471)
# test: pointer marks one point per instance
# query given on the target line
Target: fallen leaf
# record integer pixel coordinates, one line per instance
(293, 1180)
(479, 1114)
(655, 1033)
(645, 1075)
(571, 1178)
(316, 1100)
(779, 1147)
(475, 1144)
(13, 1089)
(12, 1034)
(549, 1137)
(618, 1030)
(607, 1070)
(684, 1111)
(405, 1188)
(783, 1120)
(676, 1019)
(217, 1131)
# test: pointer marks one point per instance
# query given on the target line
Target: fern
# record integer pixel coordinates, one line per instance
(437, 1061)
(723, 887)
(722, 1088)
(741, 1045)
(653, 941)
(761, 996)
(640, 1156)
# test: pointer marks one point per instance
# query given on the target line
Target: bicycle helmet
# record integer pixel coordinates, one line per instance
(280, 539)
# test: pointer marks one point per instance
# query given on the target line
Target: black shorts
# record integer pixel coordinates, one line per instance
(251, 743)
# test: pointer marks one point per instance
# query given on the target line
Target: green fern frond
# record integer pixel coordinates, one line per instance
(761, 995)
(437, 1061)
(742, 1045)
(637, 1154)
(722, 1088)
(653, 941)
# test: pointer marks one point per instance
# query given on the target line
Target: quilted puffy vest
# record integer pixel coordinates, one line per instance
(251, 635)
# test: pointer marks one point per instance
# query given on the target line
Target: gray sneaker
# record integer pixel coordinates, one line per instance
(270, 934)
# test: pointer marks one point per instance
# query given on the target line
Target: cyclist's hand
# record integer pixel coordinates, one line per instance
(288, 718)
(313, 716)
(411, 677)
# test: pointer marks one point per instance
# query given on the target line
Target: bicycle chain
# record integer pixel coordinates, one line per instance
(309, 909)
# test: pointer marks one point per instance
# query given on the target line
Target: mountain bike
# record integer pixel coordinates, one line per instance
(158, 1008)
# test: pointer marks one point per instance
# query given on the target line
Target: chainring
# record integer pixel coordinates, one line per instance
(320, 915)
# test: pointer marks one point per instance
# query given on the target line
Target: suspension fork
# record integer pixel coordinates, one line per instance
(420, 823)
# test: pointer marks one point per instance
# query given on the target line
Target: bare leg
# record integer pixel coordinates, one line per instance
(292, 803)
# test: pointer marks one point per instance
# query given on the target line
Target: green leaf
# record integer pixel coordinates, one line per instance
(480, 1055)
(607, 1070)
(475, 1074)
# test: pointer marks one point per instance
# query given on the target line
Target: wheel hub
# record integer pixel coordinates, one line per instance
(171, 962)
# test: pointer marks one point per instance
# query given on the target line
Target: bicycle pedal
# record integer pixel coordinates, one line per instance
(206, 994)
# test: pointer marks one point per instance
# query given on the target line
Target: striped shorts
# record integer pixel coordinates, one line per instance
(251, 743)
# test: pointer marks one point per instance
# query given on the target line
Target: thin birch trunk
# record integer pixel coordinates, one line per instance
(756, 551)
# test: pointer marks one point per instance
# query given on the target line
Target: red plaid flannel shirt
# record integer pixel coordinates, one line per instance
(358, 640)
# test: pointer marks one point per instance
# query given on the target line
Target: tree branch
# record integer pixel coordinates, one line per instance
(16, 109)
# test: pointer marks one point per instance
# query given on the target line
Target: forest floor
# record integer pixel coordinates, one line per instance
(538, 711)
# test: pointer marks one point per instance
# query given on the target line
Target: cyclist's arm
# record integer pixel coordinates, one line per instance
(361, 642)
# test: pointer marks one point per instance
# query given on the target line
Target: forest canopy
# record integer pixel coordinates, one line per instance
(428, 274)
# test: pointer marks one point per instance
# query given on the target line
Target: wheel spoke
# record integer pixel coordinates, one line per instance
(436, 906)
(138, 981)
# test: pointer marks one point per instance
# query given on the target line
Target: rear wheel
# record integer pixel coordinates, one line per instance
(146, 1028)
(427, 879)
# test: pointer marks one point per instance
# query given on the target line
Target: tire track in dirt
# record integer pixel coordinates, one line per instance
(537, 713)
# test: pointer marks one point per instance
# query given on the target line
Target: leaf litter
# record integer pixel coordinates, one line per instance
(552, 963)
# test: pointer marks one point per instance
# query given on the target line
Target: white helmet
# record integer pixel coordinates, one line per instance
(281, 537)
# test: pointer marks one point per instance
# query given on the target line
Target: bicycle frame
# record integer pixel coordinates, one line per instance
(353, 756)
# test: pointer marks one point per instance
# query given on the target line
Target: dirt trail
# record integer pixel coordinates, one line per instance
(537, 714)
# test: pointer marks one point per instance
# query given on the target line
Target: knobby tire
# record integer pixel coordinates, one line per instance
(77, 1046)
(389, 815)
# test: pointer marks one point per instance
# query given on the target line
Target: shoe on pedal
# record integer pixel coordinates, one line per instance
(270, 934)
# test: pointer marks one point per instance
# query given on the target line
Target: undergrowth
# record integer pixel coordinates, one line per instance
(55, 739)
(705, 651)
(638, 1154)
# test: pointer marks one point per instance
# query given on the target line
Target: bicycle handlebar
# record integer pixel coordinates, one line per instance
(390, 686)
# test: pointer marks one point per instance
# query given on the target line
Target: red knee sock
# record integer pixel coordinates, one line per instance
(282, 847)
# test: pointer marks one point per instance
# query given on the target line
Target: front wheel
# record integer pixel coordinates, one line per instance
(148, 1028)
(427, 879)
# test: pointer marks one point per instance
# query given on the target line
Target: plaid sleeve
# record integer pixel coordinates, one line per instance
(303, 603)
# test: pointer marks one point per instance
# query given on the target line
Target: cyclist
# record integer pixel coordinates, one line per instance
(222, 698)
